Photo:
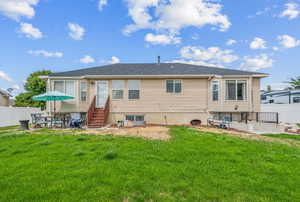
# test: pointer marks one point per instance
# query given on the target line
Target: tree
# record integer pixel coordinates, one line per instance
(294, 82)
(33, 86)
(269, 88)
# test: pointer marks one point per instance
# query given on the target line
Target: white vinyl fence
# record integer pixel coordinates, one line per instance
(288, 113)
(10, 116)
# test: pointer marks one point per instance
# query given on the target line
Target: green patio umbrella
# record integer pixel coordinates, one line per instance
(53, 96)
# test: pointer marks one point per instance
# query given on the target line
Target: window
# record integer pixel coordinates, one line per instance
(70, 88)
(173, 86)
(296, 99)
(241, 90)
(129, 118)
(236, 90)
(133, 89)
(134, 118)
(59, 86)
(67, 87)
(215, 90)
(231, 90)
(117, 89)
(83, 91)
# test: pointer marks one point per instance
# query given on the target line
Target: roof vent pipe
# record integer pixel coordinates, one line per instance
(158, 60)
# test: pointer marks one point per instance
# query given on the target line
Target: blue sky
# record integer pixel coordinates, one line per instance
(60, 35)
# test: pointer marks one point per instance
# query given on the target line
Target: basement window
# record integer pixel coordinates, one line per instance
(137, 118)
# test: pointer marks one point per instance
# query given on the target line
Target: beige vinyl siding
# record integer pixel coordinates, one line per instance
(256, 95)
(4, 100)
(194, 102)
(154, 98)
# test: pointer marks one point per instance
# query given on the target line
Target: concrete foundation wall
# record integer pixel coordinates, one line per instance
(163, 118)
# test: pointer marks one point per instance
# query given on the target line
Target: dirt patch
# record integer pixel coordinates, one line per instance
(153, 133)
(249, 136)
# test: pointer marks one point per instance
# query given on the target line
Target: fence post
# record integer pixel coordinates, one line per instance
(277, 118)
(256, 116)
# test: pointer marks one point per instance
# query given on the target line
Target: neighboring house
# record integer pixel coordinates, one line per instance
(4, 98)
(281, 96)
(157, 93)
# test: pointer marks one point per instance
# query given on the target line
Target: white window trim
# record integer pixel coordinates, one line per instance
(64, 81)
(139, 89)
(86, 90)
(134, 116)
(212, 90)
(174, 93)
(236, 90)
(112, 89)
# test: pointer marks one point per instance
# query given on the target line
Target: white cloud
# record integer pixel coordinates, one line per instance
(258, 43)
(45, 53)
(101, 4)
(30, 31)
(256, 63)
(212, 55)
(231, 42)
(87, 59)
(162, 39)
(175, 15)
(5, 77)
(291, 12)
(76, 31)
(15, 9)
(114, 60)
(287, 41)
(16, 87)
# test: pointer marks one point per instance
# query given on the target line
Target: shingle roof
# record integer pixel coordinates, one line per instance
(5, 93)
(153, 69)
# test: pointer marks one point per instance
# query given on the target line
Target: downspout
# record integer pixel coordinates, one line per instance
(209, 91)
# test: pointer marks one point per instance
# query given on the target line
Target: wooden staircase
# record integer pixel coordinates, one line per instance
(97, 117)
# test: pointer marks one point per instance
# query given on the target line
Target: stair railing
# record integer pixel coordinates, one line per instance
(91, 110)
(106, 110)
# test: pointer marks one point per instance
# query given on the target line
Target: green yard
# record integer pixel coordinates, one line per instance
(192, 166)
(284, 136)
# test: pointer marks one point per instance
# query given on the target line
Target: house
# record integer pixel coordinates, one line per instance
(157, 93)
(281, 96)
(4, 98)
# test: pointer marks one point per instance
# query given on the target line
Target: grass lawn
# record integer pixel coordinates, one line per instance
(192, 166)
(284, 136)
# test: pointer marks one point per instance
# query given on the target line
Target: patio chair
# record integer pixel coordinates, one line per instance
(76, 121)
(38, 120)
